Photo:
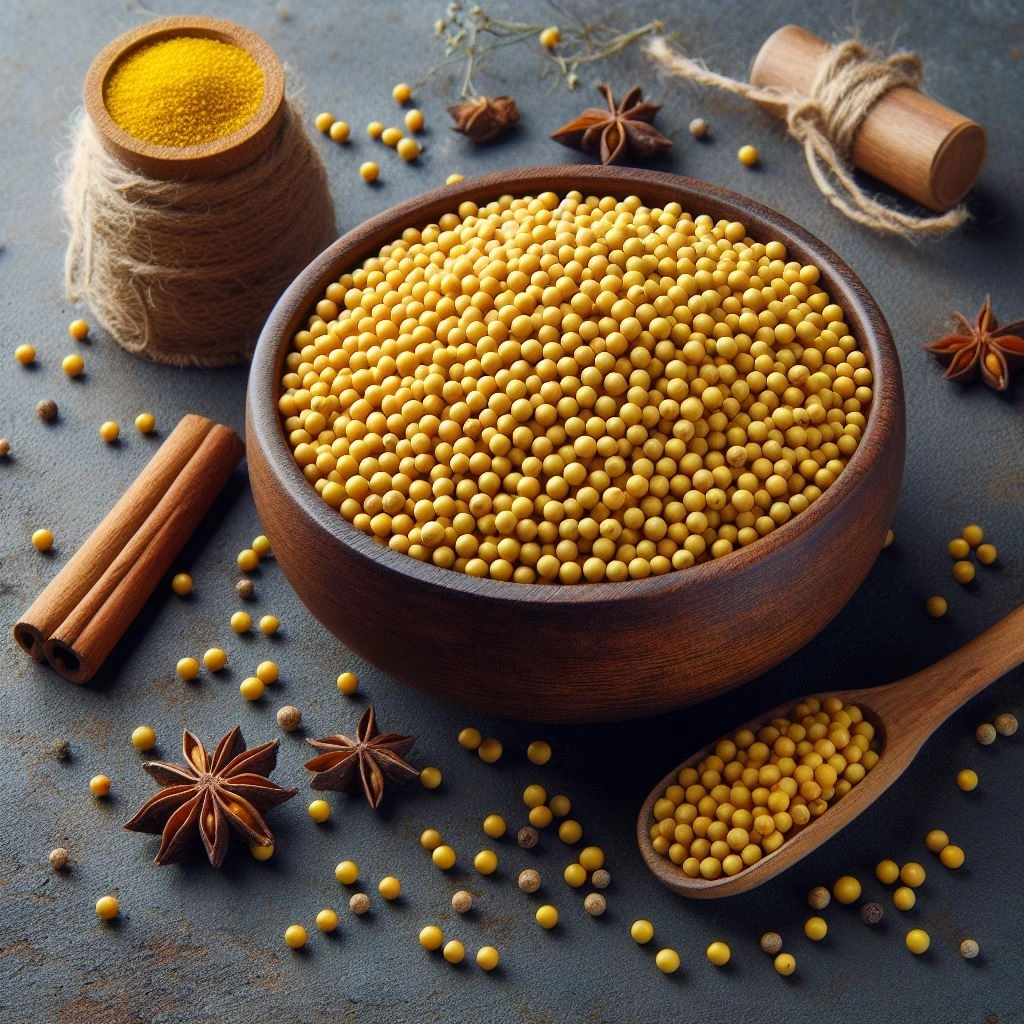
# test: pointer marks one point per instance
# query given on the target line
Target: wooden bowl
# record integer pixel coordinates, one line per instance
(209, 159)
(591, 651)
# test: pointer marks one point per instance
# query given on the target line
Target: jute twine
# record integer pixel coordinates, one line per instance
(851, 81)
(185, 272)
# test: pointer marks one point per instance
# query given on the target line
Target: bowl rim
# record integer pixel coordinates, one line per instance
(869, 327)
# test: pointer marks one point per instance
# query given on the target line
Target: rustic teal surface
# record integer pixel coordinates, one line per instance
(193, 945)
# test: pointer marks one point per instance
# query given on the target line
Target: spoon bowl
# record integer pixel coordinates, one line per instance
(904, 714)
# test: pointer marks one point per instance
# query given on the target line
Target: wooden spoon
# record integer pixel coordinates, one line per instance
(904, 714)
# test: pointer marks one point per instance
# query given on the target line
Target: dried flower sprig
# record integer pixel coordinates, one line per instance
(470, 35)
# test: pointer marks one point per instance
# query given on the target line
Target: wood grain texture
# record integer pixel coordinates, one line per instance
(904, 713)
(184, 163)
(595, 651)
(908, 140)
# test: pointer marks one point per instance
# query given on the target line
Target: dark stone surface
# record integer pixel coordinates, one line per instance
(193, 945)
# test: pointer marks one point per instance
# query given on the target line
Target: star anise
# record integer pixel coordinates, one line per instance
(984, 345)
(624, 129)
(208, 798)
(484, 117)
(370, 760)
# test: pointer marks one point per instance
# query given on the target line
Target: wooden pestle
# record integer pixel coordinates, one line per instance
(911, 142)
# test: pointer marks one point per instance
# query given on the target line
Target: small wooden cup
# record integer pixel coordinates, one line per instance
(209, 159)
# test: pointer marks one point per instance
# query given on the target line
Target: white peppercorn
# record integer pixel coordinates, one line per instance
(359, 904)
(59, 858)
(529, 880)
(969, 949)
(462, 901)
(986, 733)
(595, 904)
(601, 879)
(771, 943)
(1006, 724)
(245, 589)
(289, 718)
(47, 410)
(819, 898)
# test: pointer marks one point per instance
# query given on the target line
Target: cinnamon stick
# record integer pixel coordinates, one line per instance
(82, 614)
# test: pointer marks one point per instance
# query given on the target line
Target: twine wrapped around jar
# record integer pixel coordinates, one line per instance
(185, 272)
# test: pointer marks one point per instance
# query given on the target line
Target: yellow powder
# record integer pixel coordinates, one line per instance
(184, 91)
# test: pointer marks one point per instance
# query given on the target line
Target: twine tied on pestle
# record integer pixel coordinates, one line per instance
(185, 272)
(850, 81)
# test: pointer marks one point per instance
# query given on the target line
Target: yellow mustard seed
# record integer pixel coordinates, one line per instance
(963, 572)
(887, 871)
(912, 874)
(534, 795)
(454, 951)
(785, 964)
(973, 534)
(295, 936)
(538, 752)
(144, 737)
(390, 137)
(986, 554)
(110, 431)
(486, 862)
(402, 92)
(375, 129)
(719, 953)
(1005, 724)
(494, 826)
(319, 810)
(248, 560)
(408, 149)
(414, 120)
(470, 738)
(918, 941)
(107, 908)
(958, 548)
(430, 777)
(266, 671)
(431, 937)
(952, 856)
(181, 584)
(42, 540)
(348, 683)
(184, 91)
(323, 122)
(667, 961)
(936, 606)
(570, 832)
(443, 857)
(241, 622)
(187, 668)
(847, 889)
(327, 920)
(967, 779)
(340, 131)
(25, 354)
(78, 329)
(540, 817)
(641, 931)
(936, 840)
(453, 178)
(269, 624)
(591, 858)
(261, 853)
(489, 751)
(560, 805)
(215, 659)
(347, 872)
(369, 171)
(73, 365)
(748, 156)
(99, 785)
(430, 839)
(904, 898)
(252, 688)
(145, 423)
(547, 916)
(550, 37)
(815, 928)
(487, 958)
(526, 454)
(890, 536)
(261, 545)
(390, 888)
(575, 875)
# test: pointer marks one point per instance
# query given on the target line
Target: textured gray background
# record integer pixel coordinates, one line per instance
(194, 945)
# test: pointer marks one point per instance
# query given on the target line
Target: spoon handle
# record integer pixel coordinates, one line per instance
(913, 708)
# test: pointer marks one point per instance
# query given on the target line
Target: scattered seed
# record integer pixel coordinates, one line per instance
(47, 410)
(59, 858)
(698, 127)
(771, 943)
(528, 837)
(595, 904)
(289, 718)
(872, 913)
(529, 880)
(462, 901)
(1006, 724)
